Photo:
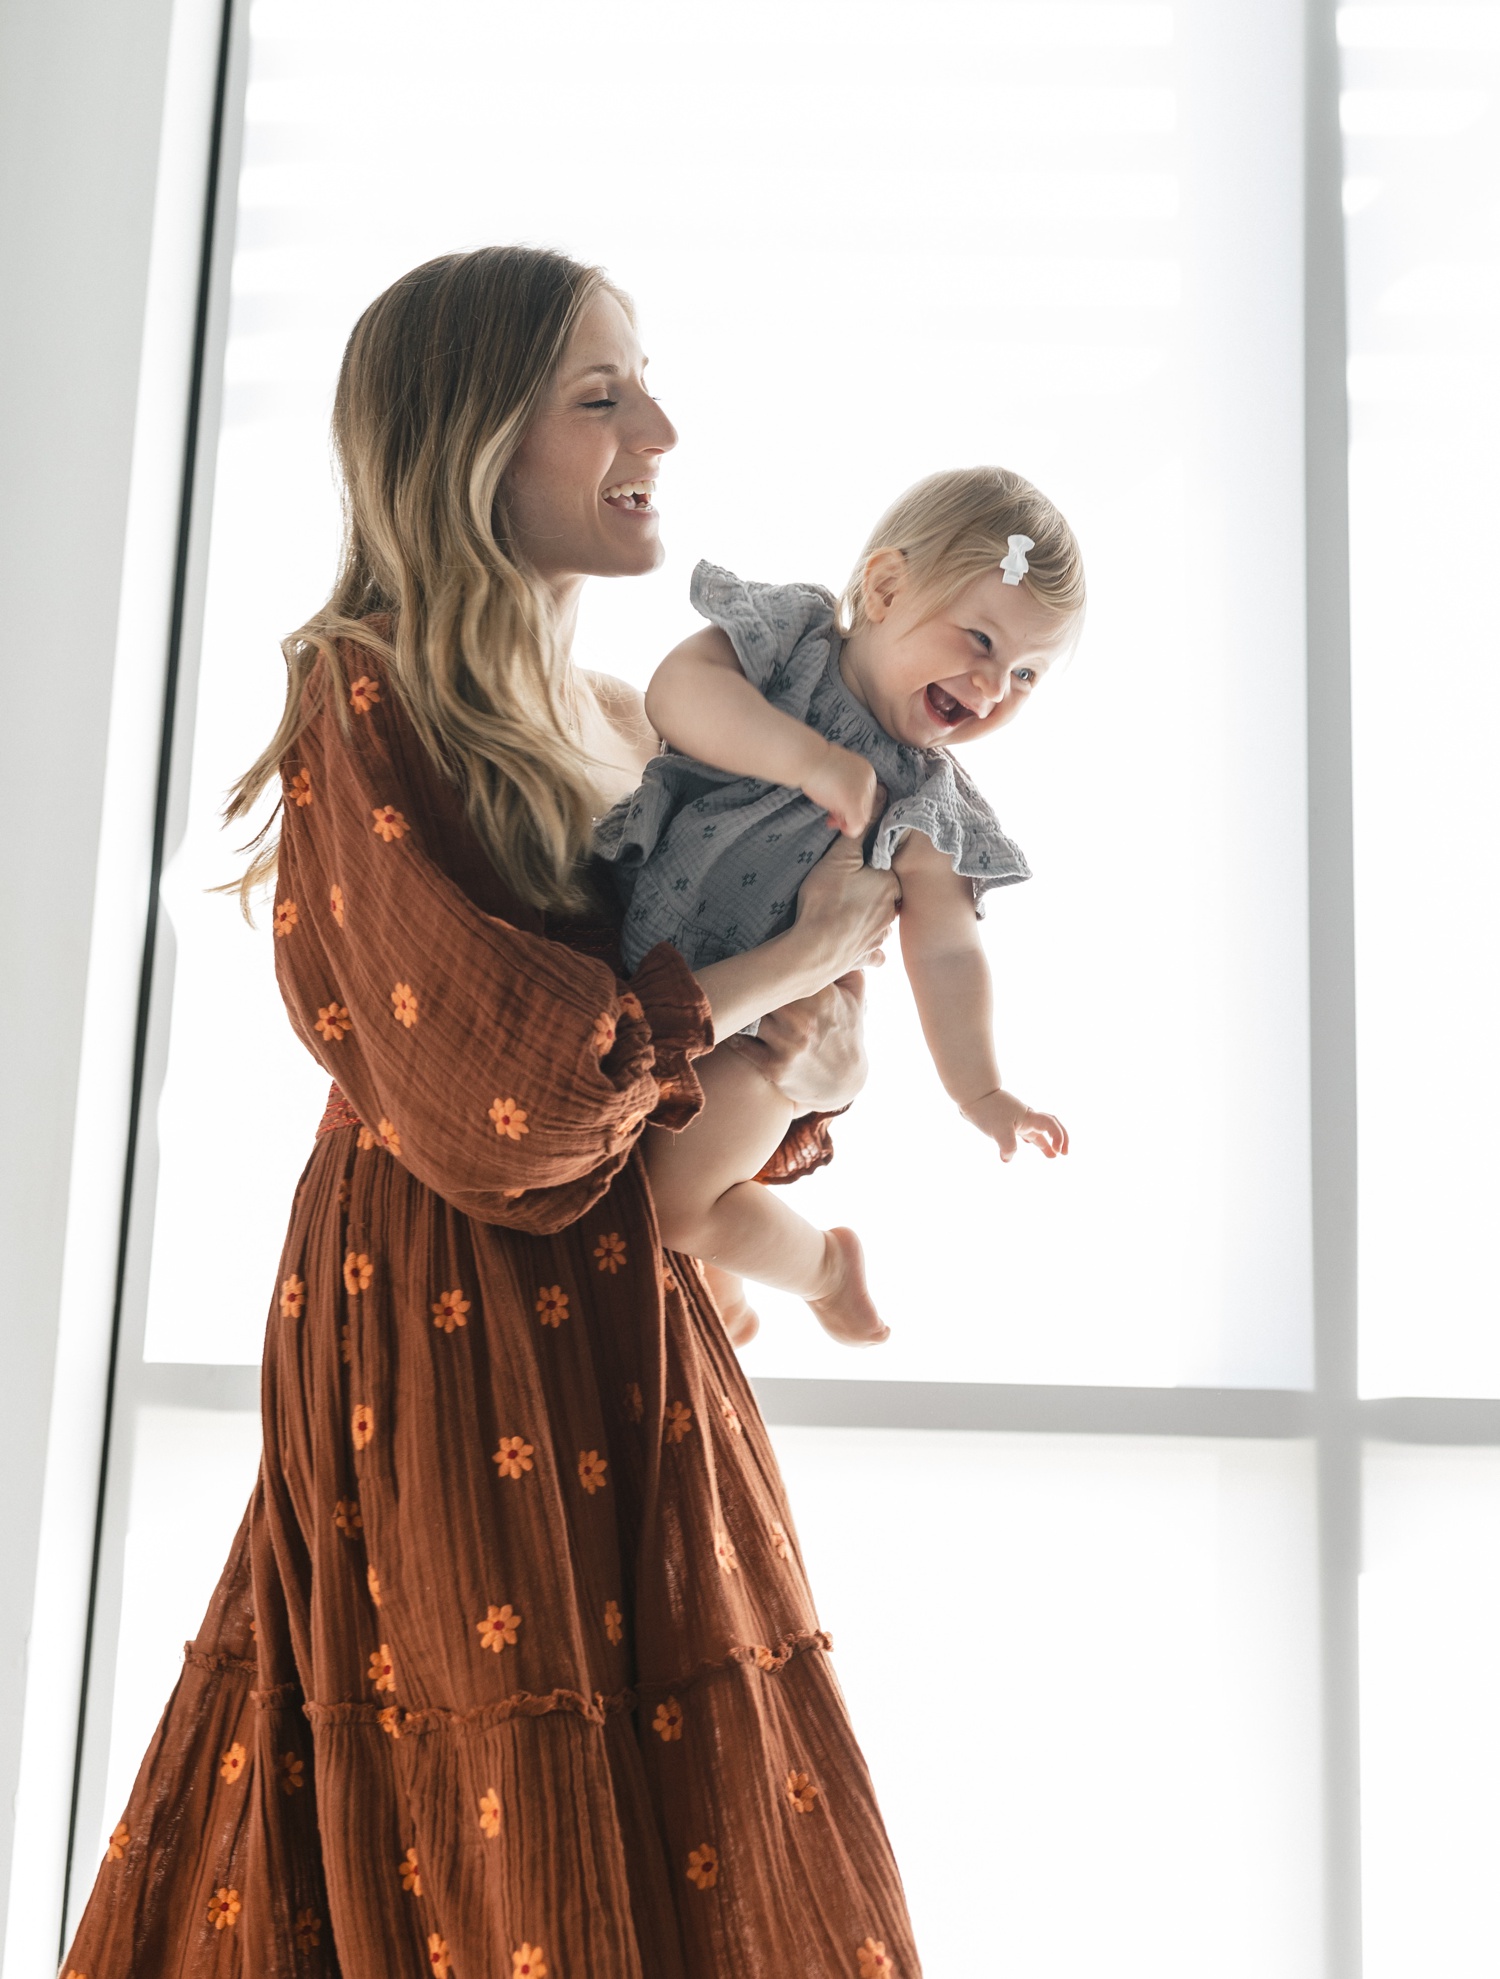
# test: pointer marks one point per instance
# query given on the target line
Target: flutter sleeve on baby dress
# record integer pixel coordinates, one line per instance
(950, 810)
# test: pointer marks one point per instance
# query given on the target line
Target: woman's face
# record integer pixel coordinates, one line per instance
(580, 492)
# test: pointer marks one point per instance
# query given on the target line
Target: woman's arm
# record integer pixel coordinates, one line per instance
(700, 701)
(950, 979)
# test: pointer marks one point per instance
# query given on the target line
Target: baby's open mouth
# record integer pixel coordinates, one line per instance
(634, 495)
(942, 707)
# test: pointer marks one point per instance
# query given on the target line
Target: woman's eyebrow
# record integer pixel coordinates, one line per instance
(600, 370)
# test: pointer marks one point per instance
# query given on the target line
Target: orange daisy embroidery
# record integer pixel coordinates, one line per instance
(358, 1271)
(635, 1402)
(389, 823)
(509, 1119)
(232, 1763)
(382, 1669)
(610, 1252)
(591, 1469)
(365, 1140)
(527, 1963)
(224, 1908)
(764, 1659)
(348, 1517)
(411, 1875)
(724, 1553)
(604, 1033)
(336, 903)
(293, 1292)
(489, 1813)
(614, 1623)
(779, 1541)
(452, 1309)
(437, 1955)
(667, 1724)
(372, 1581)
(801, 1792)
(346, 1345)
(389, 1721)
(703, 1867)
(284, 916)
(551, 1304)
(119, 1841)
(341, 1193)
(362, 1424)
(404, 1004)
(387, 1137)
(300, 789)
(363, 694)
(875, 1961)
(514, 1456)
(307, 1928)
(498, 1629)
(333, 1022)
(290, 1769)
(730, 1414)
(679, 1421)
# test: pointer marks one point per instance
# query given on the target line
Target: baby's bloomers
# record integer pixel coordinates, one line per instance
(711, 861)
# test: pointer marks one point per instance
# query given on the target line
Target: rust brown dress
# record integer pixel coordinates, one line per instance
(513, 1671)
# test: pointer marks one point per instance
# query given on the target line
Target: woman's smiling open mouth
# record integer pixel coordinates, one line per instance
(633, 497)
(942, 706)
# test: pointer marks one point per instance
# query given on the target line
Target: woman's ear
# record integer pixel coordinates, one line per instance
(883, 577)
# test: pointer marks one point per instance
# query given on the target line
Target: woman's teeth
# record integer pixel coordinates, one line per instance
(948, 711)
(630, 494)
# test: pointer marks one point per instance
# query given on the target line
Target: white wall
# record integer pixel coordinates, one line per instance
(94, 342)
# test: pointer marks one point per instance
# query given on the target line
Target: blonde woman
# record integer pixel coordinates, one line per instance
(513, 1668)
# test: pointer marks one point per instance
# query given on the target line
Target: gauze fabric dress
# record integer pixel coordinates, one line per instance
(513, 1671)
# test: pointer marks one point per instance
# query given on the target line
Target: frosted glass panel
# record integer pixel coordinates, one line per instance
(190, 1481)
(1423, 154)
(1081, 256)
(1083, 1672)
(1429, 1649)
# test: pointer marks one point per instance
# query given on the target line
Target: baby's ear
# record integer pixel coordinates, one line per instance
(881, 582)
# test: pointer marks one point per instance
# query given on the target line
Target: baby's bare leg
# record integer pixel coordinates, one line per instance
(707, 1206)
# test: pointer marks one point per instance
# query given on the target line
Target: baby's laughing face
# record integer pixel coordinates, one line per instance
(954, 675)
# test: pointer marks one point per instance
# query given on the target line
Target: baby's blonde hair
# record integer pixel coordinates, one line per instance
(953, 527)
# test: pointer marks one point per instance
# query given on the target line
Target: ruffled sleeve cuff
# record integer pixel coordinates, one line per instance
(806, 1146)
(676, 1013)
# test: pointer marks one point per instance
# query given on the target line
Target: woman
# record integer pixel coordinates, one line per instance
(513, 1669)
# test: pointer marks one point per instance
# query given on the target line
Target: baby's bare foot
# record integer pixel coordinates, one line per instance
(846, 1309)
(740, 1319)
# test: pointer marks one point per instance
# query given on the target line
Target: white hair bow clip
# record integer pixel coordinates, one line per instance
(1014, 563)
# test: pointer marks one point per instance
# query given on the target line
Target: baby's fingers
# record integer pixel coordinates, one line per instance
(1047, 1132)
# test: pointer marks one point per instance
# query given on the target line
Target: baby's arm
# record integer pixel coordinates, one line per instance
(950, 979)
(700, 701)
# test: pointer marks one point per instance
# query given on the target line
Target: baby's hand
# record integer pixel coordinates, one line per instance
(1008, 1120)
(844, 784)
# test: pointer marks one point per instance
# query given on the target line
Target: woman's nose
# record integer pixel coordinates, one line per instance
(658, 435)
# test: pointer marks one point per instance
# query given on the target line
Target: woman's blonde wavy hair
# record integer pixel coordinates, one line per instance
(440, 380)
(953, 527)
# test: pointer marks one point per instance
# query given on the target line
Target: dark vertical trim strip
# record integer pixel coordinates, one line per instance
(1332, 988)
(158, 842)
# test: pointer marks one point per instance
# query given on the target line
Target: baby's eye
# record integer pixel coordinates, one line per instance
(986, 644)
(1023, 675)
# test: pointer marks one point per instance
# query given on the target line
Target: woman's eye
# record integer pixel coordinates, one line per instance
(599, 405)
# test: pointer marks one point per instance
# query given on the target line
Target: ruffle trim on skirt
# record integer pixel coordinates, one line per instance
(397, 1723)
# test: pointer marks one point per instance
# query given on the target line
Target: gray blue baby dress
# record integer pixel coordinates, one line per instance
(711, 861)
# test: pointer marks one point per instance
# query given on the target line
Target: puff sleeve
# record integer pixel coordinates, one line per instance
(508, 1072)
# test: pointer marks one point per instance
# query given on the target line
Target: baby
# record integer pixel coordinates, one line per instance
(791, 718)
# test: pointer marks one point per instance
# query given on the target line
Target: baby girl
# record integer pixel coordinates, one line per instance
(791, 718)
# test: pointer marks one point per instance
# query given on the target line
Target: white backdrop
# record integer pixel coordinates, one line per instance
(866, 242)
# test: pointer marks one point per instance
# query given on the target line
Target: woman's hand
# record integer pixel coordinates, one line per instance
(1008, 1121)
(844, 912)
(843, 785)
(813, 1051)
